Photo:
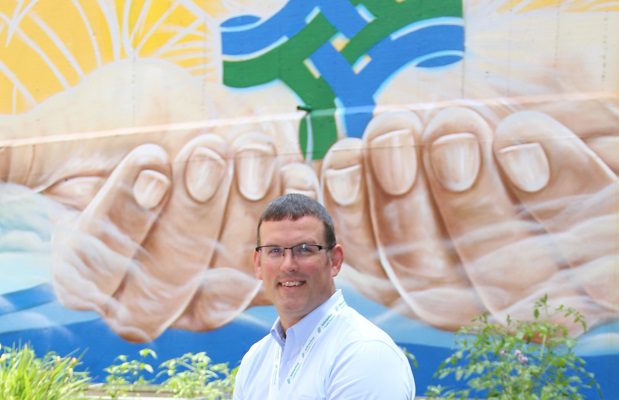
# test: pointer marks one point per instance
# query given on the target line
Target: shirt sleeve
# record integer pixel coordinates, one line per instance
(370, 370)
(240, 381)
(237, 393)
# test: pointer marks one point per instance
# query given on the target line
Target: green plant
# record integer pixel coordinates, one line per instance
(126, 375)
(188, 376)
(192, 375)
(519, 360)
(24, 376)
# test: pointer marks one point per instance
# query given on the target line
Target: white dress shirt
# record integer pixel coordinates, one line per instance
(348, 357)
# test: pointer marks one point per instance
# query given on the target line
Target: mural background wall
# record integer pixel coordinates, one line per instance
(467, 150)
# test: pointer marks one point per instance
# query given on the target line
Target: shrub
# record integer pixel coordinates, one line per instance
(518, 360)
(188, 376)
(126, 375)
(193, 375)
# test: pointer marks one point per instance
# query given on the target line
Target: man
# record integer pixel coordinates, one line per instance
(319, 348)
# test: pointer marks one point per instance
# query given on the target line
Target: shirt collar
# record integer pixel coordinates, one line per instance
(300, 331)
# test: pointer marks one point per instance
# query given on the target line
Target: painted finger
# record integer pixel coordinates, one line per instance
(571, 192)
(5, 163)
(344, 195)
(607, 147)
(181, 244)
(256, 182)
(224, 294)
(300, 178)
(407, 228)
(497, 244)
(93, 251)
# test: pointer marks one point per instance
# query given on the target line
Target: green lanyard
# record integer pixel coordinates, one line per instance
(303, 355)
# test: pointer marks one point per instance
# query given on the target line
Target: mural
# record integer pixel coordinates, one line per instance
(467, 150)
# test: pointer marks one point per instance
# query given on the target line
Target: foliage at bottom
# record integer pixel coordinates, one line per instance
(24, 376)
(528, 360)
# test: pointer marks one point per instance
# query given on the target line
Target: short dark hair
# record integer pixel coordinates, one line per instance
(294, 206)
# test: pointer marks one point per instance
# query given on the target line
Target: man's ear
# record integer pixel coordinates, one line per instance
(337, 259)
(257, 266)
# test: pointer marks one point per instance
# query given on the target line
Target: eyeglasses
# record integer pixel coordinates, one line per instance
(300, 252)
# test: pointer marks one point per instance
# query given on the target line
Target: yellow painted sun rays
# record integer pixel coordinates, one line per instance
(48, 46)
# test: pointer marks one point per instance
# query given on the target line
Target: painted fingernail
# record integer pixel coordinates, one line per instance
(456, 161)
(344, 184)
(203, 174)
(255, 165)
(526, 165)
(394, 161)
(300, 178)
(150, 188)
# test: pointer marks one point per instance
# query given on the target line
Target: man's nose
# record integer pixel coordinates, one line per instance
(288, 261)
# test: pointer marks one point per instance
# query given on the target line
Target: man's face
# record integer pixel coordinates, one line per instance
(296, 285)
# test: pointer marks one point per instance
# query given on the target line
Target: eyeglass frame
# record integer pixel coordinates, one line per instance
(291, 248)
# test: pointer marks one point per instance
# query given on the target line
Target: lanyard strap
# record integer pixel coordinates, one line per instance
(303, 355)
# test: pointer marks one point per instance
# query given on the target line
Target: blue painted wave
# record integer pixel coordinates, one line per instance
(99, 347)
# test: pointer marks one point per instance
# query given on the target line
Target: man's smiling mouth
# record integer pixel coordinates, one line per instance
(292, 283)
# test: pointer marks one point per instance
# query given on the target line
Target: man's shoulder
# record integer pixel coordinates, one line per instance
(251, 373)
(364, 353)
(353, 330)
(361, 328)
